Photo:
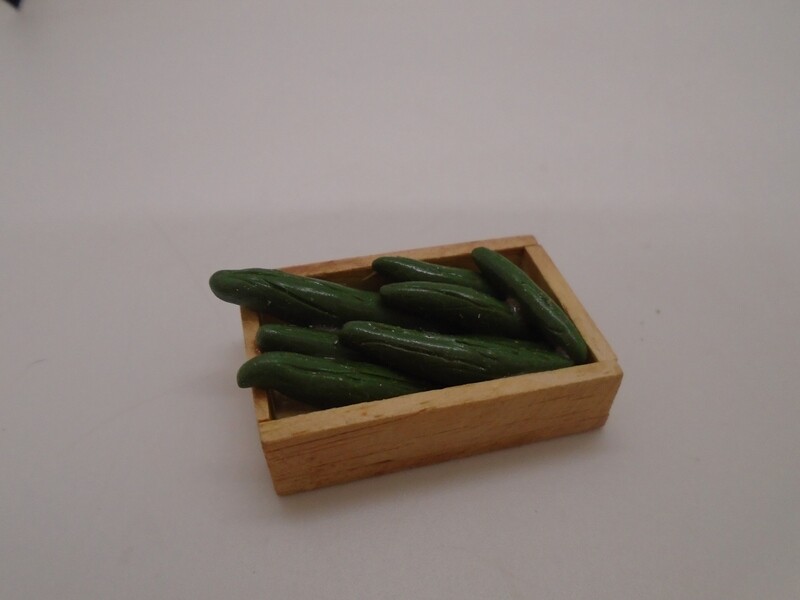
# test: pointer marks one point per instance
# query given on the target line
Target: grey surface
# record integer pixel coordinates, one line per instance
(654, 152)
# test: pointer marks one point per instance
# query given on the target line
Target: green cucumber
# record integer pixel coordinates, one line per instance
(322, 382)
(303, 340)
(304, 300)
(398, 268)
(538, 307)
(466, 309)
(448, 359)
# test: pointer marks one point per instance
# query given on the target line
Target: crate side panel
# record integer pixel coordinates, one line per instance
(434, 435)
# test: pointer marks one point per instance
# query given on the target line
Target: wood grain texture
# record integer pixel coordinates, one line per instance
(319, 448)
(420, 429)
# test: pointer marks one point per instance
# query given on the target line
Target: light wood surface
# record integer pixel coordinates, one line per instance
(426, 428)
(319, 448)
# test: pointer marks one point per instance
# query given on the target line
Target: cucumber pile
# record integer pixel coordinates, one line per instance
(431, 327)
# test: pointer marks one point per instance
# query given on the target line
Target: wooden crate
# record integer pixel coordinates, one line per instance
(307, 450)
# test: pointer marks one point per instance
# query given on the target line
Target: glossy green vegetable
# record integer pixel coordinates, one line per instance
(303, 340)
(304, 300)
(465, 309)
(537, 306)
(398, 268)
(322, 382)
(448, 359)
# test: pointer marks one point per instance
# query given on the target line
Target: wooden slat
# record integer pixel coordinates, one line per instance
(435, 426)
(340, 419)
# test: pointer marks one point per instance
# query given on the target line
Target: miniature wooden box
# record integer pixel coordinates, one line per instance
(307, 450)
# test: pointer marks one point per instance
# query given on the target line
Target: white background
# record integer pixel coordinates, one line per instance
(654, 150)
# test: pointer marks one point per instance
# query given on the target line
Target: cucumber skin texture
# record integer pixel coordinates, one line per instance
(465, 308)
(537, 306)
(303, 340)
(304, 300)
(448, 359)
(398, 268)
(322, 382)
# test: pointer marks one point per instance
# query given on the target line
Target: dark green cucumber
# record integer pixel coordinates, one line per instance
(304, 300)
(538, 307)
(448, 359)
(322, 382)
(303, 340)
(397, 268)
(466, 309)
